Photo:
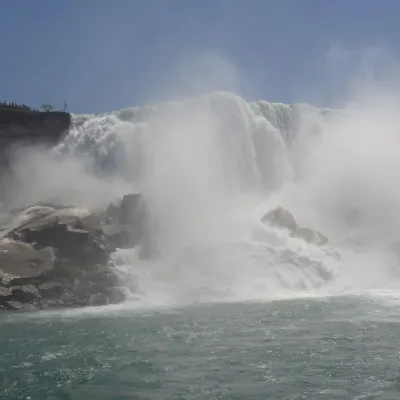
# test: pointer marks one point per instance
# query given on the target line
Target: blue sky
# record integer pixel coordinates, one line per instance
(100, 55)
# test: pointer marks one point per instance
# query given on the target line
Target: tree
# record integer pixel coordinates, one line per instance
(47, 107)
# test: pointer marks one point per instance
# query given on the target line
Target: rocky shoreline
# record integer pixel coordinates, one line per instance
(53, 256)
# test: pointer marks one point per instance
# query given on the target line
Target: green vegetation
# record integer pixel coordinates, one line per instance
(8, 105)
(47, 107)
(11, 106)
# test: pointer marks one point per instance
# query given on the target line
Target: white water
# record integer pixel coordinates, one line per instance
(213, 165)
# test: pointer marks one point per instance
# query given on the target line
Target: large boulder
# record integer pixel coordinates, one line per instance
(21, 260)
(280, 218)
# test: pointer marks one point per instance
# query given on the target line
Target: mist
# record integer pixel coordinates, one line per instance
(38, 174)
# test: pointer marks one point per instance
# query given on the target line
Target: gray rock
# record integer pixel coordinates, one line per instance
(66, 297)
(281, 218)
(51, 288)
(68, 241)
(18, 306)
(116, 295)
(5, 292)
(310, 236)
(64, 216)
(21, 260)
(130, 207)
(112, 214)
(54, 302)
(26, 293)
(117, 236)
(98, 299)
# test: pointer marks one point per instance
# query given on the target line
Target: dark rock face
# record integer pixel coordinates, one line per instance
(61, 257)
(26, 128)
(33, 125)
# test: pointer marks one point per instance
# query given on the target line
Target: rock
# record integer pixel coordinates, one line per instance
(26, 293)
(98, 299)
(68, 241)
(62, 255)
(112, 214)
(66, 297)
(5, 292)
(23, 128)
(54, 302)
(117, 236)
(129, 209)
(116, 295)
(67, 216)
(104, 274)
(281, 218)
(51, 288)
(309, 236)
(19, 306)
(21, 260)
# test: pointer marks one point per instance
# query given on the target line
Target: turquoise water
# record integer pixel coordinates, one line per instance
(335, 348)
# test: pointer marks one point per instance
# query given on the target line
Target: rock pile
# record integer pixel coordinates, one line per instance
(60, 256)
(281, 218)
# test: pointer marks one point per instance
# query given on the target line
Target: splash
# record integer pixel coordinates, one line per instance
(211, 166)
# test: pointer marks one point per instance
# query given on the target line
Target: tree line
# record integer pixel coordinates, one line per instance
(45, 107)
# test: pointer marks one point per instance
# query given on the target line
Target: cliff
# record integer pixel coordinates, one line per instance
(19, 124)
(20, 128)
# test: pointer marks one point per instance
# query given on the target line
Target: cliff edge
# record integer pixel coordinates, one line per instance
(28, 125)
(25, 127)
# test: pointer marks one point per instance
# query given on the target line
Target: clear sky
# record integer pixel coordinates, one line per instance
(101, 55)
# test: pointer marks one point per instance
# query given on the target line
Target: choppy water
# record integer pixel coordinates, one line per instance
(332, 348)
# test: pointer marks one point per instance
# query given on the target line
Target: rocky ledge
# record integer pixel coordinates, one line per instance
(60, 256)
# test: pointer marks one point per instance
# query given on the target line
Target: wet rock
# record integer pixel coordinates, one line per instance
(51, 288)
(64, 216)
(281, 218)
(68, 241)
(117, 236)
(66, 297)
(54, 303)
(116, 295)
(61, 256)
(5, 293)
(129, 209)
(112, 214)
(21, 260)
(104, 275)
(98, 299)
(19, 306)
(26, 293)
(310, 236)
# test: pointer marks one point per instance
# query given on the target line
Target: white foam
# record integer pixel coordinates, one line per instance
(210, 167)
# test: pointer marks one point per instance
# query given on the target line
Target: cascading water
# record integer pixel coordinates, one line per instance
(209, 168)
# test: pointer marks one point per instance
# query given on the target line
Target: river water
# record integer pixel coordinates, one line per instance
(315, 348)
